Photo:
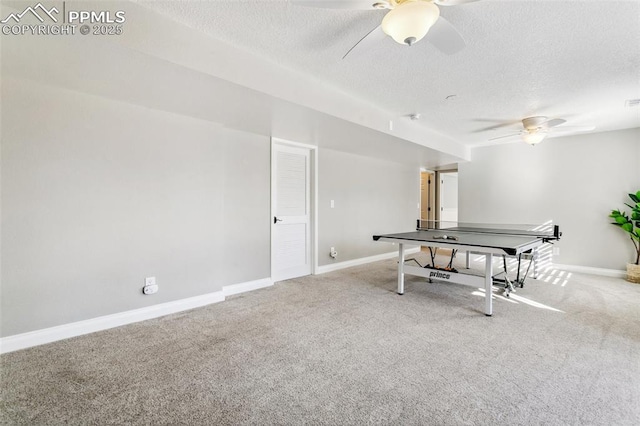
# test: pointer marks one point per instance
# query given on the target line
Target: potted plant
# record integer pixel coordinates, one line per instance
(631, 225)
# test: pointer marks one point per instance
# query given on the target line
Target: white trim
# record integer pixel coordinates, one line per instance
(292, 143)
(314, 210)
(362, 261)
(65, 331)
(232, 289)
(614, 273)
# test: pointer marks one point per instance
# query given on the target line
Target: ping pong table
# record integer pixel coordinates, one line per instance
(487, 240)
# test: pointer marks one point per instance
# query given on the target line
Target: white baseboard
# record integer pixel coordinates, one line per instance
(229, 290)
(614, 273)
(65, 331)
(362, 261)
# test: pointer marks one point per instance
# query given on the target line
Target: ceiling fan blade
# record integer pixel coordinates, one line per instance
(573, 129)
(338, 4)
(494, 127)
(452, 2)
(555, 122)
(512, 135)
(444, 37)
(372, 38)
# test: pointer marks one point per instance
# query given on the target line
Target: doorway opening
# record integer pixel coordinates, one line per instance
(448, 196)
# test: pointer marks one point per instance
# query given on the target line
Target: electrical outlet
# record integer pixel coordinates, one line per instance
(150, 281)
(333, 253)
(150, 289)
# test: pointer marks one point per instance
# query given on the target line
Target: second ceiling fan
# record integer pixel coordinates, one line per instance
(407, 22)
(536, 129)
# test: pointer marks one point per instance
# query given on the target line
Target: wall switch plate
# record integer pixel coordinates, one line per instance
(556, 251)
(150, 281)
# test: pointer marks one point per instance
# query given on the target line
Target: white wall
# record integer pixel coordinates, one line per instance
(574, 181)
(371, 196)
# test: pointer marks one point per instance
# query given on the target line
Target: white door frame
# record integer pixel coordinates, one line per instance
(313, 212)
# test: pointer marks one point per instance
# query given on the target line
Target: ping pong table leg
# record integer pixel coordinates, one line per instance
(400, 268)
(488, 285)
(468, 260)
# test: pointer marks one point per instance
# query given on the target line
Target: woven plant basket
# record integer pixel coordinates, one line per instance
(633, 273)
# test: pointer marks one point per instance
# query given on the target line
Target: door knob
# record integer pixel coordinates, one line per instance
(276, 220)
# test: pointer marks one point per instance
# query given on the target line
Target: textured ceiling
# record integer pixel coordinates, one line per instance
(578, 60)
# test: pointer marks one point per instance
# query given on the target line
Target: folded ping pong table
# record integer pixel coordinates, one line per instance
(490, 240)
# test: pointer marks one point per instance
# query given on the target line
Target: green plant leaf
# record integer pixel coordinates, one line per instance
(621, 220)
(628, 227)
(635, 197)
(615, 213)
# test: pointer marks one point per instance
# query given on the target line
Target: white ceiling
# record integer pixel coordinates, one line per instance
(275, 69)
(572, 59)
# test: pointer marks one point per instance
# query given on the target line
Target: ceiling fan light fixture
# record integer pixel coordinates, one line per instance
(534, 137)
(410, 21)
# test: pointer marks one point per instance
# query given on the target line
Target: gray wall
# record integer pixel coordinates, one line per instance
(114, 169)
(98, 194)
(371, 196)
(574, 181)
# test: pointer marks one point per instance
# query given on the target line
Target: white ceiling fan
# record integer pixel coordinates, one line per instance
(407, 22)
(538, 128)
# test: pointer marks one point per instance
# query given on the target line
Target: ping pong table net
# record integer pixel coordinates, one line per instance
(547, 230)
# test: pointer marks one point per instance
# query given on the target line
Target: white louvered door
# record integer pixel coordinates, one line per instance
(291, 212)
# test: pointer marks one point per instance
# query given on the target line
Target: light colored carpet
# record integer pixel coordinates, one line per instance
(343, 348)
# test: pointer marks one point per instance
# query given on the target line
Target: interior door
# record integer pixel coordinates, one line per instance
(291, 222)
(427, 199)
